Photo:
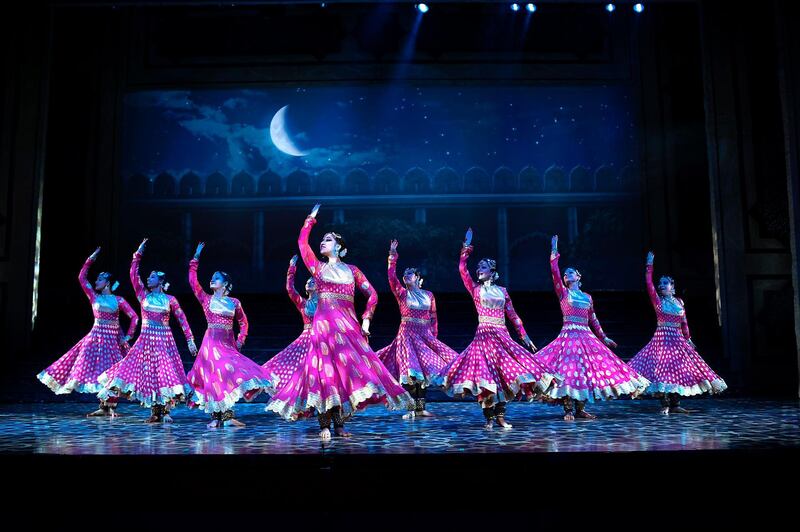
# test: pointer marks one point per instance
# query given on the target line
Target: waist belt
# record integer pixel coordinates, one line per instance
(154, 323)
(334, 295)
(222, 326)
(106, 323)
(492, 321)
(576, 319)
(669, 324)
(307, 326)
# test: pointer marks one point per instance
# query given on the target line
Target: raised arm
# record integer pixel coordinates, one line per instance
(466, 278)
(177, 311)
(309, 258)
(648, 279)
(555, 272)
(125, 307)
(241, 317)
(83, 276)
(394, 282)
(434, 317)
(136, 281)
(199, 293)
(294, 295)
(368, 290)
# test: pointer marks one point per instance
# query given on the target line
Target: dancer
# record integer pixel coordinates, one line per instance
(415, 356)
(105, 344)
(581, 351)
(670, 360)
(493, 367)
(340, 373)
(152, 371)
(283, 365)
(221, 374)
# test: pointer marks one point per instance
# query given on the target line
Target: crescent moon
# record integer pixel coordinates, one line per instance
(280, 136)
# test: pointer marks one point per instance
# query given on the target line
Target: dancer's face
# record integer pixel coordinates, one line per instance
(410, 277)
(666, 287)
(483, 271)
(217, 281)
(101, 283)
(311, 286)
(571, 275)
(153, 280)
(328, 247)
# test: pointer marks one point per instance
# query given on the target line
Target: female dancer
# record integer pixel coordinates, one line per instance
(493, 367)
(581, 353)
(340, 373)
(152, 371)
(670, 360)
(416, 355)
(283, 365)
(105, 344)
(221, 374)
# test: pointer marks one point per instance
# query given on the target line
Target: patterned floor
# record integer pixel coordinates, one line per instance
(622, 426)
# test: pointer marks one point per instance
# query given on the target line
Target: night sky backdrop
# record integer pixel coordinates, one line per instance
(375, 126)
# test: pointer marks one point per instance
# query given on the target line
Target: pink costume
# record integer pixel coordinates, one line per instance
(591, 371)
(493, 367)
(283, 365)
(152, 371)
(415, 354)
(221, 375)
(80, 367)
(340, 371)
(669, 361)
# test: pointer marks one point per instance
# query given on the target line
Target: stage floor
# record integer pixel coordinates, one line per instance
(622, 426)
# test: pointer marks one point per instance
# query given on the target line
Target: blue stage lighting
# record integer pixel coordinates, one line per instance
(530, 7)
(610, 8)
(514, 7)
(638, 8)
(422, 8)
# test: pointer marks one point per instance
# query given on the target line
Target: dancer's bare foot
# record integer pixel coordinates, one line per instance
(424, 413)
(113, 414)
(153, 419)
(503, 423)
(677, 410)
(489, 425)
(583, 414)
(665, 410)
(569, 417)
(97, 413)
(341, 433)
(214, 424)
(409, 415)
(234, 423)
(325, 434)
(167, 418)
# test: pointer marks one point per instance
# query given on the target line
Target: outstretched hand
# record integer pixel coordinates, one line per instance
(94, 255)
(293, 261)
(554, 243)
(529, 344)
(610, 343)
(315, 210)
(192, 347)
(142, 246)
(393, 246)
(468, 237)
(650, 258)
(199, 250)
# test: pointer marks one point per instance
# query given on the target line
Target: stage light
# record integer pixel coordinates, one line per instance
(610, 8)
(515, 7)
(530, 7)
(422, 8)
(638, 8)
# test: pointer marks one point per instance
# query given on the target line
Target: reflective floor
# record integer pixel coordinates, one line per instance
(622, 426)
